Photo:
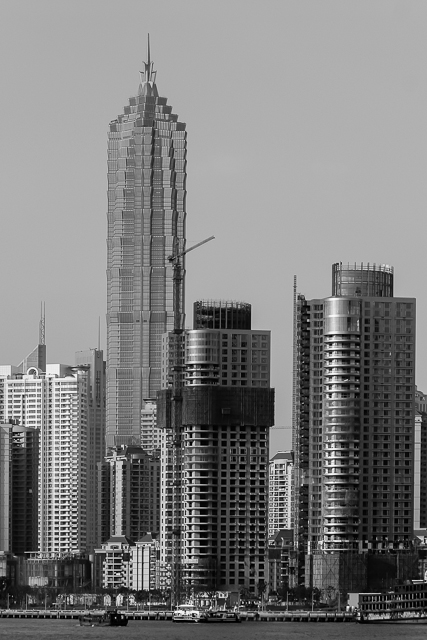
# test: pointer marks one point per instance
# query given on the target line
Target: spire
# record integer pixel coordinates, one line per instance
(148, 50)
(42, 324)
(37, 357)
(148, 76)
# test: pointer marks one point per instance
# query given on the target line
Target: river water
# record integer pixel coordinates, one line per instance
(18, 629)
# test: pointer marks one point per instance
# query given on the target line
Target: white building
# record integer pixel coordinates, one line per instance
(56, 403)
(123, 563)
(132, 480)
(151, 435)
(280, 492)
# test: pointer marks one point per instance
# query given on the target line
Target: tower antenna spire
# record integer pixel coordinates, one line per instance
(42, 324)
(148, 66)
(148, 76)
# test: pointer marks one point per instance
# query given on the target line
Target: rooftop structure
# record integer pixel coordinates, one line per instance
(221, 314)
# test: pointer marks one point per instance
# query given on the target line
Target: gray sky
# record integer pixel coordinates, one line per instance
(307, 146)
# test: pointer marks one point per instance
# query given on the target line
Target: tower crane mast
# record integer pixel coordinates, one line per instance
(176, 419)
(175, 260)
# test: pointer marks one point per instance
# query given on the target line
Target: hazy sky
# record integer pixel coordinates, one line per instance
(307, 145)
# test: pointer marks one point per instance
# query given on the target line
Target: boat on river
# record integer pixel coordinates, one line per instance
(187, 613)
(103, 619)
(404, 603)
(221, 616)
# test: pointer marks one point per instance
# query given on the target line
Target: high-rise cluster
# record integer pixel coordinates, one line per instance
(53, 425)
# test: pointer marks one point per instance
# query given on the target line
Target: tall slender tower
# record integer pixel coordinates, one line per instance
(147, 149)
(93, 360)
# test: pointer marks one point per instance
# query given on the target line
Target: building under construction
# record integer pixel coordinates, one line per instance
(215, 462)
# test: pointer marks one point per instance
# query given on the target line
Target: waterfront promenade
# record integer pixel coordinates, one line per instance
(262, 616)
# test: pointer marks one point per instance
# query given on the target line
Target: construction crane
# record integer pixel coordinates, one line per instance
(175, 260)
(176, 419)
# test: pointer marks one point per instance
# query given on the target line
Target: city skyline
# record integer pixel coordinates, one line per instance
(333, 169)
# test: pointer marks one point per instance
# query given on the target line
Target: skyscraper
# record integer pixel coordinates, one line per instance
(353, 423)
(58, 437)
(55, 404)
(146, 224)
(93, 359)
(134, 487)
(25, 458)
(18, 488)
(215, 463)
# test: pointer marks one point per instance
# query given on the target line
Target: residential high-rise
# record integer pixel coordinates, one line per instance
(94, 360)
(353, 430)
(6, 487)
(18, 488)
(146, 225)
(280, 487)
(121, 562)
(25, 458)
(279, 552)
(151, 435)
(133, 482)
(55, 405)
(215, 463)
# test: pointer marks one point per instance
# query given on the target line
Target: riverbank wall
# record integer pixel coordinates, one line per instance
(289, 616)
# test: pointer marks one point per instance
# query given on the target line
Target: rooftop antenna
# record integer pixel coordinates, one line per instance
(42, 324)
(99, 333)
(148, 73)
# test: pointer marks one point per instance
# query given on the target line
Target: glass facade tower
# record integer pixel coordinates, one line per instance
(146, 224)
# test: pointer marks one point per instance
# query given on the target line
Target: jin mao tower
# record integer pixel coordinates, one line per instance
(146, 224)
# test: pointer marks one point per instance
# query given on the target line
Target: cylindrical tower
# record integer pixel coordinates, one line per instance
(202, 357)
(341, 409)
(362, 280)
